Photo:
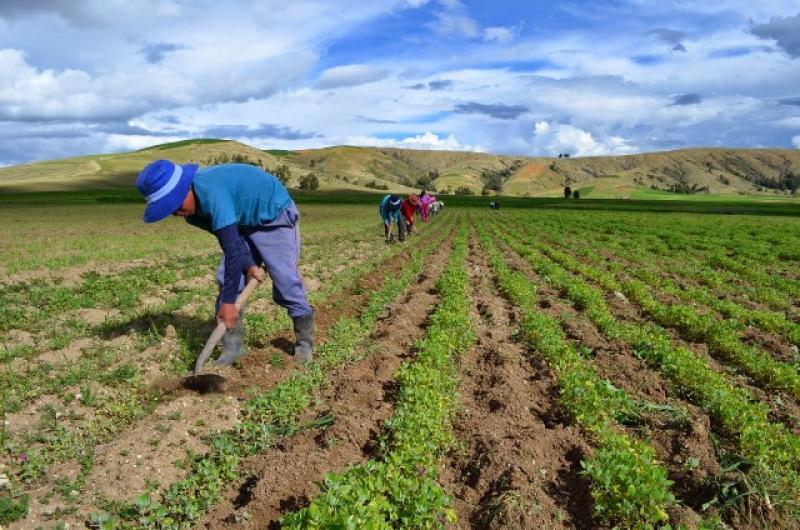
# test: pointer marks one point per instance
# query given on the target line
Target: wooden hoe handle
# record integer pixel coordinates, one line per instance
(219, 331)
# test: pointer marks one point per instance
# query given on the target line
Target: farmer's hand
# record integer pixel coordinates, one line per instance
(228, 314)
(256, 272)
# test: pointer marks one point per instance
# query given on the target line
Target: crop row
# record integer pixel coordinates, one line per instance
(655, 270)
(399, 489)
(721, 336)
(267, 416)
(124, 398)
(772, 451)
(34, 379)
(629, 487)
(668, 249)
(767, 320)
(47, 307)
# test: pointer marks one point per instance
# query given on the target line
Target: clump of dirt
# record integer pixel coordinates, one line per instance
(95, 317)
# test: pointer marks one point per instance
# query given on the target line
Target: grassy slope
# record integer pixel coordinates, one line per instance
(728, 172)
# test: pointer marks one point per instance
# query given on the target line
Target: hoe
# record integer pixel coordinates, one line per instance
(219, 331)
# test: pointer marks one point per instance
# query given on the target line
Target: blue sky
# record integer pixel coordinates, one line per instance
(518, 77)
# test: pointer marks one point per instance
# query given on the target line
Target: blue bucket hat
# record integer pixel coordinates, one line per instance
(165, 186)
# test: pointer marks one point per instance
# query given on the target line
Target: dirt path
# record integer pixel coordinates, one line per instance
(519, 466)
(360, 399)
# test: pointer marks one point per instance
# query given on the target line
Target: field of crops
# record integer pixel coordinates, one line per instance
(523, 368)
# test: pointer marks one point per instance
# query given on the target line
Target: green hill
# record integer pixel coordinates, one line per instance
(767, 172)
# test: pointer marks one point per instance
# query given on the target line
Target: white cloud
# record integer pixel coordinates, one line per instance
(349, 75)
(430, 140)
(455, 24)
(796, 141)
(791, 123)
(426, 141)
(499, 34)
(563, 138)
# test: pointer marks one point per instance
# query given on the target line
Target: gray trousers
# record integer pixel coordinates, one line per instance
(276, 245)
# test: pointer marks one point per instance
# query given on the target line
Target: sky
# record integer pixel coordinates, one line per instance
(522, 77)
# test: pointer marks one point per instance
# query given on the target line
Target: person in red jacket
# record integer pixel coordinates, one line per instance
(407, 210)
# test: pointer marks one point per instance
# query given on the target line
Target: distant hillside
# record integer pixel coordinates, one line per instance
(714, 171)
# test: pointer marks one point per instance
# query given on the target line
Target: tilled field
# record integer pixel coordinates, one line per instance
(514, 369)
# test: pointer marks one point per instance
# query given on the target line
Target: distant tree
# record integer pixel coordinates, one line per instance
(576, 194)
(424, 181)
(485, 191)
(236, 158)
(567, 192)
(463, 190)
(309, 182)
(283, 173)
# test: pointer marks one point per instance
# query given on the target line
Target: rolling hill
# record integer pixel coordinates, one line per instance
(653, 175)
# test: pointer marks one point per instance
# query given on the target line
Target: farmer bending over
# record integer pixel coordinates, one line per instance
(390, 212)
(255, 221)
(407, 210)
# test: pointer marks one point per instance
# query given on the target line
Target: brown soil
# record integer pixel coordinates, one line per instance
(360, 399)
(774, 344)
(519, 466)
(147, 453)
(682, 441)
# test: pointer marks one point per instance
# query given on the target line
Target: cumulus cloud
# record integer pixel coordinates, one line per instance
(785, 31)
(553, 138)
(497, 110)
(31, 94)
(796, 141)
(432, 141)
(794, 101)
(686, 99)
(349, 75)
(426, 141)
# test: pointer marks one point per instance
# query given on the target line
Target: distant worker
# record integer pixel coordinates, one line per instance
(407, 211)
(255, 222)
(434, 207)
(494, 205)
(424, 206)
(390, 213)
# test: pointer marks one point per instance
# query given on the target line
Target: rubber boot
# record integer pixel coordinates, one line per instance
(233, 343)
(304, 338)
